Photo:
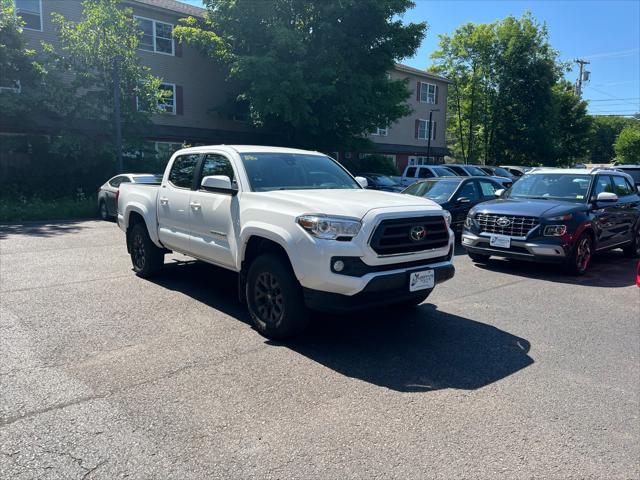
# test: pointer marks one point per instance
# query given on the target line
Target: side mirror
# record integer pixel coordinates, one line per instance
(362, 182)
(607, 197)
(500, 192)
(463, 200)
(218, 184)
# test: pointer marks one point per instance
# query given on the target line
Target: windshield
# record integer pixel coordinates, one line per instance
(383, 180)
(294, 171)
(501, 172)
(444, 172)
(475, 171)
(436, 190)
(568, 187)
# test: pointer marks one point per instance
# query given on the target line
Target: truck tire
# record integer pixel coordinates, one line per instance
(274, 298)
(147, 259)
(104, 213)
(633, 249)
(580, 258)
(478, 257)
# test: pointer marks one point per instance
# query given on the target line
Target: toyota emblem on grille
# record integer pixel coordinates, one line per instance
(503, 222)
(417, 233)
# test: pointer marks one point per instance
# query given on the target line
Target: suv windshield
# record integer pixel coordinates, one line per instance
(444, 172)
(437, 190)
(294, 171)
(569, 187)
(476, 171)
(383, 180)
(501, 172)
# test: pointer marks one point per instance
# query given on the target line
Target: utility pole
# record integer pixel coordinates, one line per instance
(429, 134)
(116, 111)
(582, 76)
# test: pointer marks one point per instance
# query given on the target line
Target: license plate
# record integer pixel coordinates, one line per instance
(421, 280)
(501, 241)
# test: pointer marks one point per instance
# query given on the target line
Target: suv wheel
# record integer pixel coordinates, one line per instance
(274, 298)
(633, 249)
(579, 260)
(146, 257)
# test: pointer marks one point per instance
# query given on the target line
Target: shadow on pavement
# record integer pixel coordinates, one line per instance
(41, 229)
(414, 350)
(410, 350)
(610, 269)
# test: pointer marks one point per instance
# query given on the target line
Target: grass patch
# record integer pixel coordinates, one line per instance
(23, 209)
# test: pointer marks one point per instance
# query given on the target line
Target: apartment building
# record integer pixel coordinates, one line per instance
(196, 85)
(406, 142)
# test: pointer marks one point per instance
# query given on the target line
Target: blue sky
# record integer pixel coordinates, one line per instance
(607, 33)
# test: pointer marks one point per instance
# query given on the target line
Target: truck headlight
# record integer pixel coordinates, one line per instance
(447, 217)
(329, 228)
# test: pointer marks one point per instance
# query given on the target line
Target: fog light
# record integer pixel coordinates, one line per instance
(338, 266)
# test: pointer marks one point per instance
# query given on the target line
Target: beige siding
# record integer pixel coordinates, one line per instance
(402, 132)
(202, 82)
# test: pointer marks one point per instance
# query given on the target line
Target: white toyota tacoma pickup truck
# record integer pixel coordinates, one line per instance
(297, 227)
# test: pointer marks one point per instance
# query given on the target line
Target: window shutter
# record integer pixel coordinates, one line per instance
(436, 95)
(417, 127)
(177, 47)
(179, 100)
(433, 135)
(418, 93)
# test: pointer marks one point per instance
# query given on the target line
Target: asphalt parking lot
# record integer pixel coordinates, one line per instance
(508, 371)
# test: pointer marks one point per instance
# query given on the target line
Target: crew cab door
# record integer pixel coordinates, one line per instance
(173, 203)
(214, 215)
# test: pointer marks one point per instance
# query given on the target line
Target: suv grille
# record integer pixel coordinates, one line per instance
(518, 225)
(393, 236)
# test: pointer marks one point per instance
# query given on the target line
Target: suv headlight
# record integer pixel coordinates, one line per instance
(329, 228)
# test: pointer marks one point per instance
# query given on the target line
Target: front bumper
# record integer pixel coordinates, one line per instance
(386, 289)
(549, 249)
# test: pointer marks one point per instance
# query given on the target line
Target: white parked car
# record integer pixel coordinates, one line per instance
(413, 173)
(108, 192)
(297, 227)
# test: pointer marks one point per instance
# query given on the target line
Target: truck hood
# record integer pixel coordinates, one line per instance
(347, 203)
(527, 207)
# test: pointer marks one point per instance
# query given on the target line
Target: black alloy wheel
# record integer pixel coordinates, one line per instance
(269, 299)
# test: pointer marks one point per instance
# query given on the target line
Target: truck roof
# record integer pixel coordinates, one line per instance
(247, 149)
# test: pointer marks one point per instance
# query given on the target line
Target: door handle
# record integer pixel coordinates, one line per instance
(195, 206)
(164, 201)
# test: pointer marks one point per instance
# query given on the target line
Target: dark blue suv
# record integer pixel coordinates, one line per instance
(558, 215)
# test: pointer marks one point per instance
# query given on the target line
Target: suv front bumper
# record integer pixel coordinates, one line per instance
(547, 249)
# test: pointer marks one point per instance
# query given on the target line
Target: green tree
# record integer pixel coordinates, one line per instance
(101, 52)
(604, 134)
(313, 72)
(627, 145)
(508, 102)
(30, 83)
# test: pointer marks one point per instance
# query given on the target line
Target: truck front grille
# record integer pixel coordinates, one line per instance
(394, 236)
(511, 225)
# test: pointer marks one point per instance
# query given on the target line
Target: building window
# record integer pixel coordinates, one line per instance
(164, 150)
(421, 160)
(167, 103)
(31, 13)
(382, 132)
(423, 129)
(156, 36)
(428, 92)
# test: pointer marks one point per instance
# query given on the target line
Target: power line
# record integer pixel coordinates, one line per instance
(611, 99)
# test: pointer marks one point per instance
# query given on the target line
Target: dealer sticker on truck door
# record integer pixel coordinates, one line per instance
(421, 280)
